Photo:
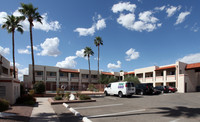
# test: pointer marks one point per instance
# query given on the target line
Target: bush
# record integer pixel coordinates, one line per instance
(26, 100)
(58, 97)
(133, 79)
(39, 87)
(67, 95)
(84, 97)
(4, 105)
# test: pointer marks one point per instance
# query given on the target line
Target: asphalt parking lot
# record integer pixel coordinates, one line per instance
(176, 107)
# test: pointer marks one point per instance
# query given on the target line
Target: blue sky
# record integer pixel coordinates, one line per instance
(136, 33)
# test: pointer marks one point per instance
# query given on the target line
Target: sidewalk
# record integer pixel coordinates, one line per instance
(43, 112)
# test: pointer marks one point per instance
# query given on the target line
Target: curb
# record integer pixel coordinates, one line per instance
(76, 113)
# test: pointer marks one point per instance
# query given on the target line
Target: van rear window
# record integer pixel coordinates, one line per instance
(130, 84)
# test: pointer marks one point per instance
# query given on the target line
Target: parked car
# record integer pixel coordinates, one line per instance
(120, 88)
(156, 91)
(145, 88)
(163, 89)
(172, 89)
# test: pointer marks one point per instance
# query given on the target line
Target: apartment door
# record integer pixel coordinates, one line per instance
(185, 87)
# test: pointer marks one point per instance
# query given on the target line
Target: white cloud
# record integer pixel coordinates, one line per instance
(80, 53)
(22, 72)
(160, 8)
(171, 10)
(98, 25)
(181, 17)
(114, 66)
(50, 47)
(126, 20)
(191, 58)
(131, 54)
(16, 64)
(4, 51)
(101, 24)
(45, 26)
(2, 15)
(23, 51)
(121, 6)
(69, 62)
(147, 17)
(194, 28)
(34, 48)
(85, 31)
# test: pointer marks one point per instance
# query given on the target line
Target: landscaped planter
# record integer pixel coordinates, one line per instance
(53, 101)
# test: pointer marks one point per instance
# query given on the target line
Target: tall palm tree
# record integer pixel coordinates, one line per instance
(31, 14)
(12, 24)
(98, 41)
(87, 53)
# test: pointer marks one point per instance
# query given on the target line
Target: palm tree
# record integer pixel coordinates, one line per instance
(98, 41)
(87, 53)
(31, 14)
(12, 24)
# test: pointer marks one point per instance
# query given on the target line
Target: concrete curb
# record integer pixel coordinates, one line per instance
(76, 113)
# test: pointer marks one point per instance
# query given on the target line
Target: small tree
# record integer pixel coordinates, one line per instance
(39, 87)
(133, 79)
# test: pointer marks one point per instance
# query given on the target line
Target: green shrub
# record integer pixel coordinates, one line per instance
(57, 97)
(39, 87)
(4, 105)
(84, 97)
(26, 99)
(67, 95)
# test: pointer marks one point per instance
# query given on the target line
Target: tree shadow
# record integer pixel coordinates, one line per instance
(179, 111)
(69, 117)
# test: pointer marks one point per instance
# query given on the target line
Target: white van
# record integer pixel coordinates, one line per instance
(120, 88)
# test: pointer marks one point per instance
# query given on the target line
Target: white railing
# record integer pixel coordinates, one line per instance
(63, 78)
(51, 78)
(149, 79)
(171, 78)
(75, 79)
(159, 78)
(140, 79)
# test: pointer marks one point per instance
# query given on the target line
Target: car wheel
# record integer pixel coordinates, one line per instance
(120, 94)
(141, 93)
(106, 94)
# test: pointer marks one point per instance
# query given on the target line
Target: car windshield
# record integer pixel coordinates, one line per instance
(130, 84)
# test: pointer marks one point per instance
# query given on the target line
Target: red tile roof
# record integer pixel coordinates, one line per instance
(68, 70)
(106, 73)
(167, 67)
(128, 73)
(192, 66)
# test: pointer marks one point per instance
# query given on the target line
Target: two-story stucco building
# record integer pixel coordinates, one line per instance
(9, 87)
(185, 77)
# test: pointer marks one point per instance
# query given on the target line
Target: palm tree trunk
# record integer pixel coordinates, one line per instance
(33, 64)
(13, 45)
(89, 69)
(98, 62)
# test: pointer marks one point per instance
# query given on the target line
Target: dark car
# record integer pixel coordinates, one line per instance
(145, 88)
(172, 89)
(163, 89)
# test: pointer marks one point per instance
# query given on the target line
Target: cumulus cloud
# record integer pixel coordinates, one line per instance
(126, 20)
(191, 58)
(80, 53)
(69, 62)
(34, 48)
(98, 25)
(46, 26)
(24, 51)
(16, 64)
(121, 6)
(172, 10)
(50, 47)
(131, 54)
(2, 15)
(160, 8)
(114, 66)
(4, 51)
(22, 72)
(182, 17)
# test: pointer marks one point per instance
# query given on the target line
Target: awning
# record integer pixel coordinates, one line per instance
(167, 67)
(68, 70)
(192, 66)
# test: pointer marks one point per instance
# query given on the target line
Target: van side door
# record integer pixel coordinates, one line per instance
(109, 89)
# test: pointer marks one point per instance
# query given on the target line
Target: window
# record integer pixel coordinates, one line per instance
(5, 70)
(63, 74)
(74, 75)
(2, 91)
(180, 71)
(94, 76)
(39, 73)
(51, 73)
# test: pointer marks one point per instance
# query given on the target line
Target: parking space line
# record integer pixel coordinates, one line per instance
(119, 113)
(100, 106)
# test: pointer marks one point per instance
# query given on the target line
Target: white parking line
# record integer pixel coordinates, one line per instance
(176, 120)
(100, 106)
(119, 113)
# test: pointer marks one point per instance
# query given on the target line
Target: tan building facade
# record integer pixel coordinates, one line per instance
(185, 77)
(9, 87)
